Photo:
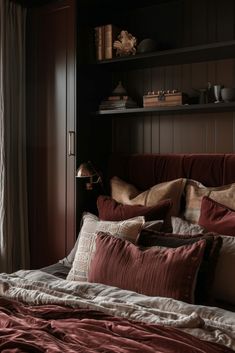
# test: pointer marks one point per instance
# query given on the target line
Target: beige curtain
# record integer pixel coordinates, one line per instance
(14, 246)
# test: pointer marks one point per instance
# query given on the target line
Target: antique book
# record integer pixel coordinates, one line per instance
(118, 104)
(99, 42)
(110, 35)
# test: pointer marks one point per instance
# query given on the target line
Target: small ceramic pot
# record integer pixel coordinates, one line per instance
(146, 45)
(228, 94)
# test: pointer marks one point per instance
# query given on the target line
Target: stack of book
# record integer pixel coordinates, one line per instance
(104, 39)
(117, 102)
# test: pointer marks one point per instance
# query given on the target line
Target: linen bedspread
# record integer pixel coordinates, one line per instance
(41, 313)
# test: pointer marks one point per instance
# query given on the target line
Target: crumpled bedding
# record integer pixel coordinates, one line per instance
(162, 317)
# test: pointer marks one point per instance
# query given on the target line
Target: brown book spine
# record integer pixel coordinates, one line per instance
(99, 42)
(110, 33)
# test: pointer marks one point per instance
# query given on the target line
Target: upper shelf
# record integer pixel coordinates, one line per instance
(121, 4)
(194, 108)
(199, 53)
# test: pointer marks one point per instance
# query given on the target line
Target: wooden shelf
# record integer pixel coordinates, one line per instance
(199, 53)
(193, 108)
(121, 4)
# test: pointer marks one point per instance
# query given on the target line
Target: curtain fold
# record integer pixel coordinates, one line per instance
(14, 244)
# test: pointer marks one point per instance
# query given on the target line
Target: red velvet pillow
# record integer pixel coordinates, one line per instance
(216, 217)
(206, 273)
(154, 272)
(111, 210)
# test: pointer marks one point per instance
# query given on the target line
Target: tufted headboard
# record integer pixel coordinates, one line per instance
(146, 170)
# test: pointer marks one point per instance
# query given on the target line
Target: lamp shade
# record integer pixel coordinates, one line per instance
(86, 170)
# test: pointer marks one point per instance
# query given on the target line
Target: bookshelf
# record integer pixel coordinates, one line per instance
(197, 47)
(182, 109)
(197, 53)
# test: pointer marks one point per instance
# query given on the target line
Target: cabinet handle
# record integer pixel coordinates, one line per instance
(71, 143)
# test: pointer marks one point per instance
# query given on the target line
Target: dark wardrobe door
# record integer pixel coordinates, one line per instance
(51, 77)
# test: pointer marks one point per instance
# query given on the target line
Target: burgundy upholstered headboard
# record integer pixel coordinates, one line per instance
(146, 170)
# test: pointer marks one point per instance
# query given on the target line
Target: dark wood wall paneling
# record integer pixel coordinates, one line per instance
(191, 23)
(175, 24)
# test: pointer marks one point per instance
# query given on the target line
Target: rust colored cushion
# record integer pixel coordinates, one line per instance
(165, 272)
(127, 194)
(111, 210)
(206, 273)
(216, 217)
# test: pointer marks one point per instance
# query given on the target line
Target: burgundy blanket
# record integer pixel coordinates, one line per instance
(53, 328)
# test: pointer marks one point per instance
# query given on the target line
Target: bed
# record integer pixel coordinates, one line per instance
(140, 275)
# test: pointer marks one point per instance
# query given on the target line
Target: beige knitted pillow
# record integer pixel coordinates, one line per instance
(128, 229)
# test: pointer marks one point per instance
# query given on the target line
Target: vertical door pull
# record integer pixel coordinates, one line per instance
(71, 143)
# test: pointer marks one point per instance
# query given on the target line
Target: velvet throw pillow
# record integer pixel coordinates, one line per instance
(111, 210)
(223, 288)
(86, 247)
(155, 272)
(195, 191)
(206, 273)
(224, 284)
(126, 193)
(216, 217)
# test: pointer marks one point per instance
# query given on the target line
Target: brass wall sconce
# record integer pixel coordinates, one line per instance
(87, 170)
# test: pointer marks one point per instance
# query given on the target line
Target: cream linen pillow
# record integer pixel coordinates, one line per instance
(128, 229)
(181, 226)
(127, 194)
(194, 192)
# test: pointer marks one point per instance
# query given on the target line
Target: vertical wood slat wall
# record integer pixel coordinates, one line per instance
(203, 22)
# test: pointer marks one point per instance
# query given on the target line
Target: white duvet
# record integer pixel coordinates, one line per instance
(36, 287)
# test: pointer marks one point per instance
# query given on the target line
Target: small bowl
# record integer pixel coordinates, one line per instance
(228, 94)
(147, 45)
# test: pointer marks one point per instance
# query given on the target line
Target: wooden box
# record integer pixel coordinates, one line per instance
(162, 99)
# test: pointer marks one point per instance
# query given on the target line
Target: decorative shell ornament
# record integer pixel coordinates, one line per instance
(125, 45)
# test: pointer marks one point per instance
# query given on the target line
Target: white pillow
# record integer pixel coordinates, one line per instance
(181, 226)
(128, 229)
(149, 225)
